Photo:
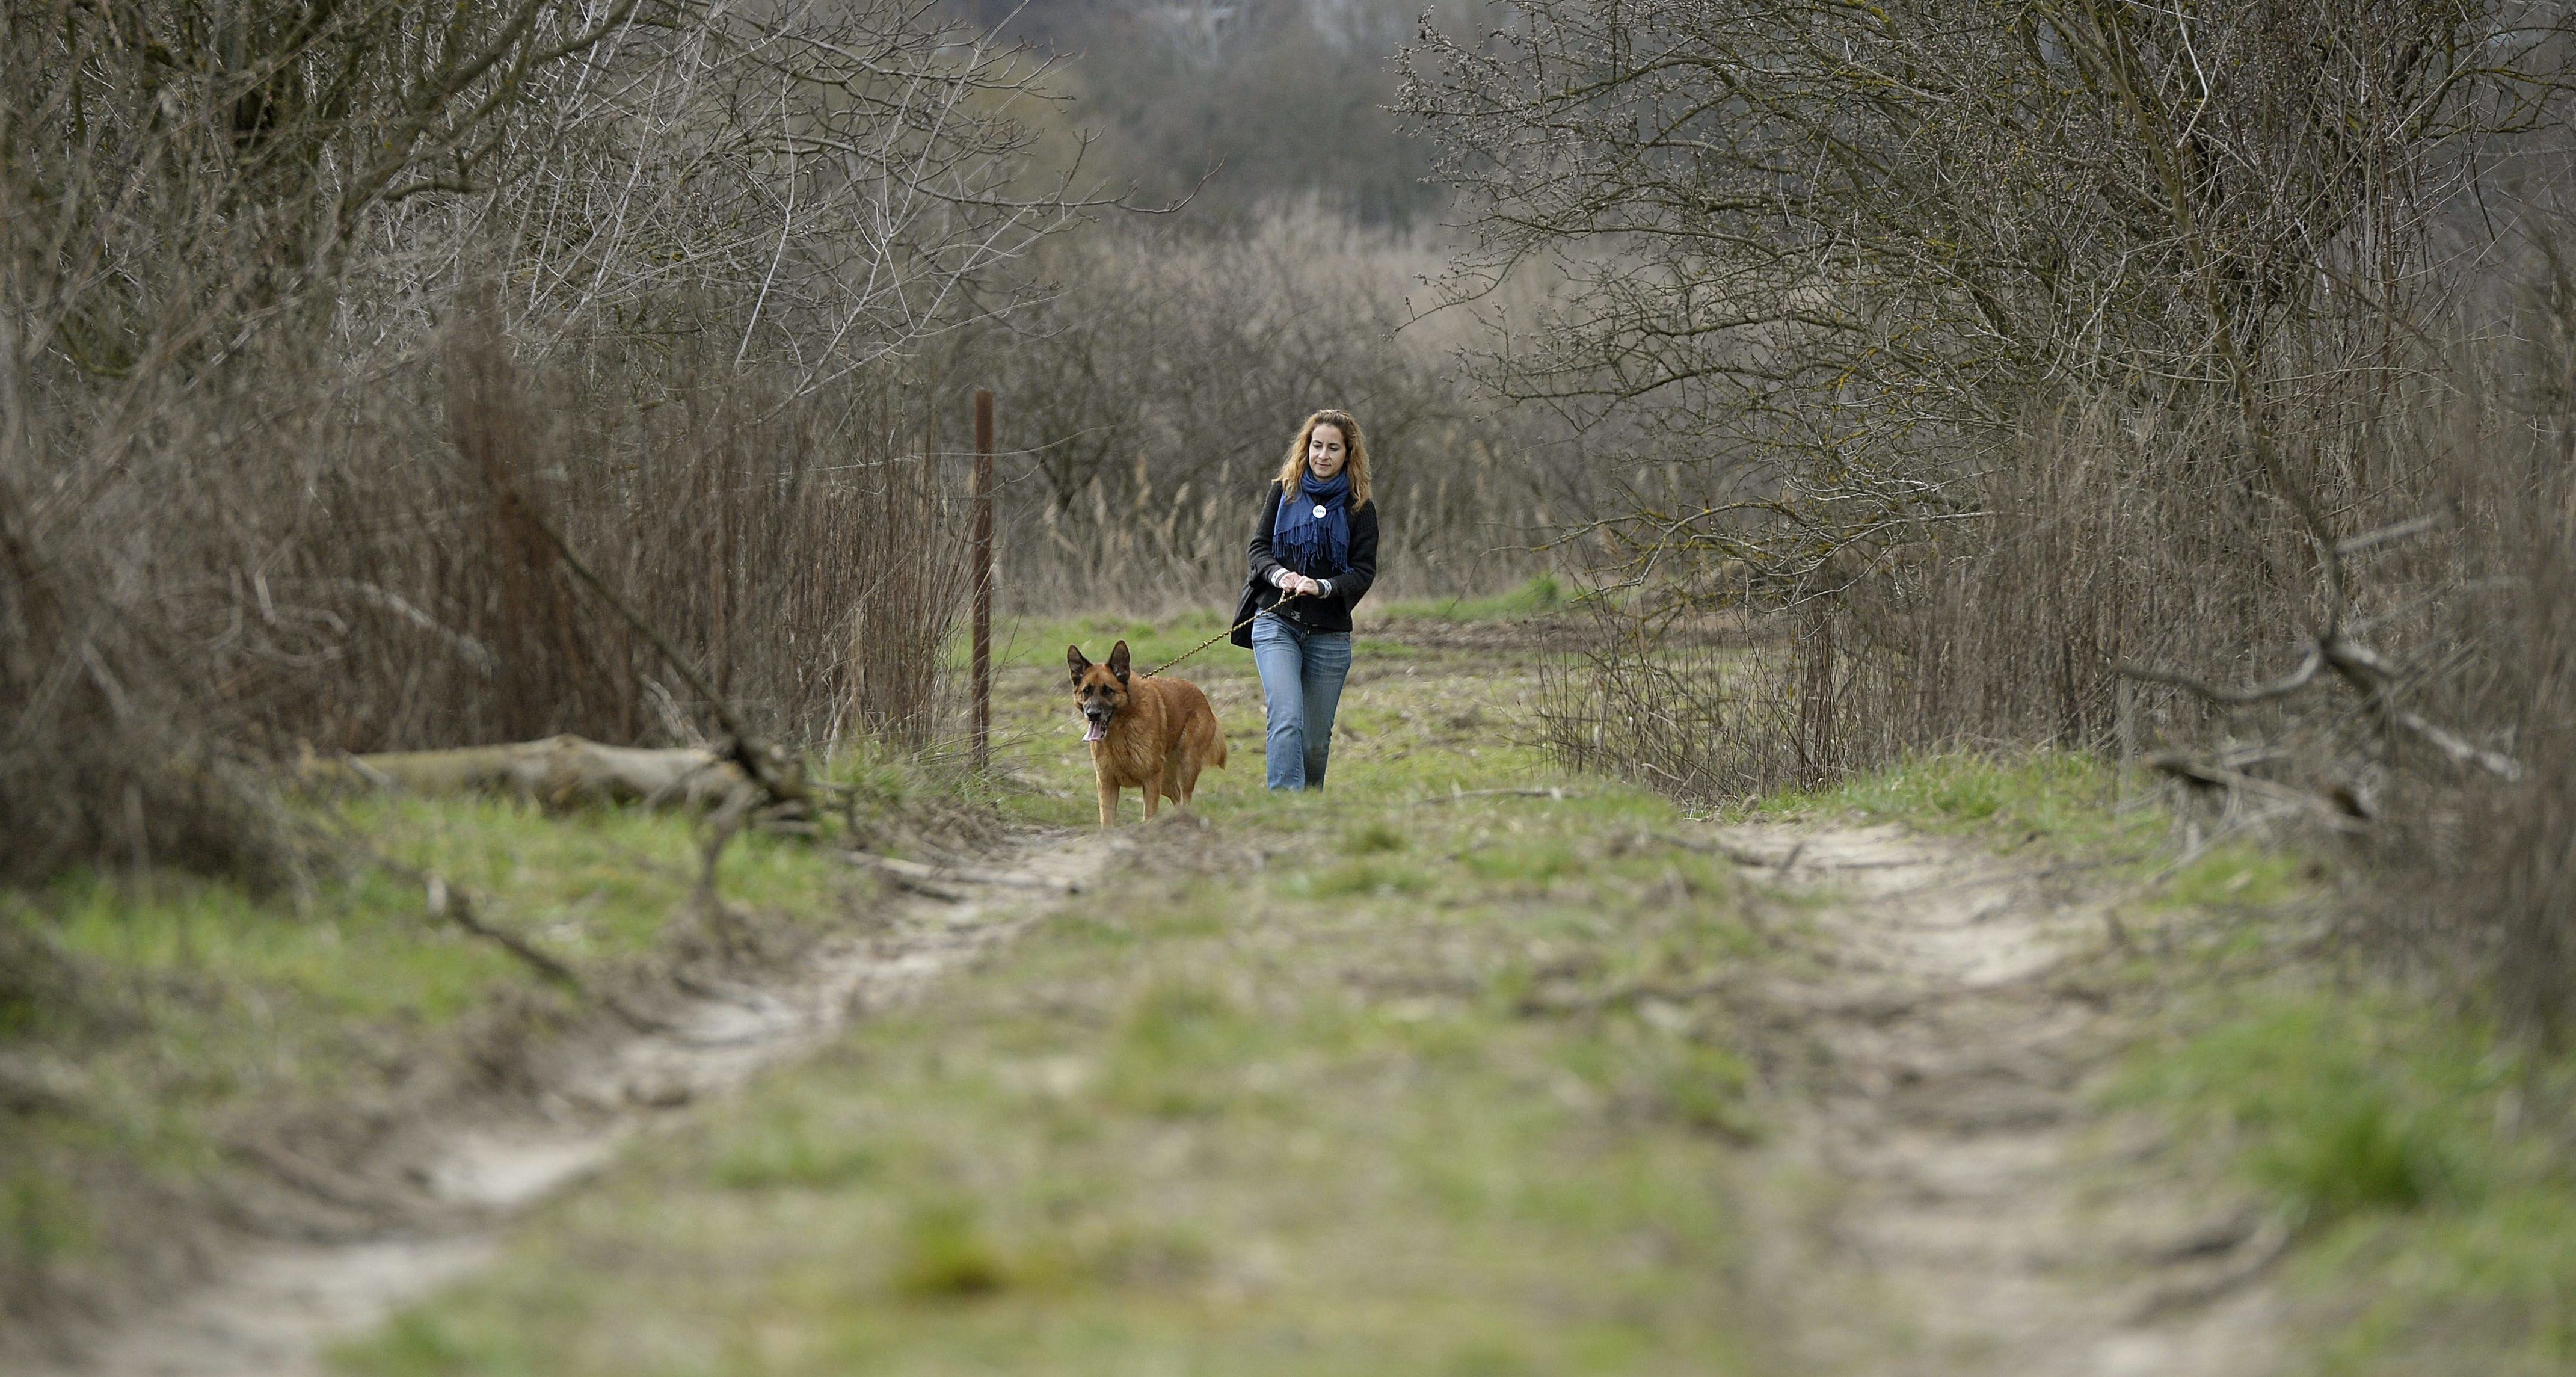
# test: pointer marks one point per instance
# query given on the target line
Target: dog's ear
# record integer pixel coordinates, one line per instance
(1118, 661)
(1074, 661)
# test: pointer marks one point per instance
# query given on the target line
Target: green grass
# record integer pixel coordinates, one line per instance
(1341, 1084)
(2066, 796)
(2420, 1155)
(2067, 804)
(599, 885)
(1543, 593)
(197, 1008)
(1271, 1101)
(1038, 643)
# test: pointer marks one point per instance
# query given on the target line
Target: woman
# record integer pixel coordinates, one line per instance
(1314, 555)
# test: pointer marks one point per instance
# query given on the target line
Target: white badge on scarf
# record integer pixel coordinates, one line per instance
(1319, 513)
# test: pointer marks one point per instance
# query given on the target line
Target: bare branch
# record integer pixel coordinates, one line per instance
(2282, 687)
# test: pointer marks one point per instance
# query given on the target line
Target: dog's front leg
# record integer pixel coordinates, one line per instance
(1153, 792)
(1108, 804)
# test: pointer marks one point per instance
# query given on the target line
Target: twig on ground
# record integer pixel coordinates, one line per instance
(324, 1183)
(457, 907)
(1534, 1004)
(960, 874)
(721, 826)
(2267, 1246)
(1460, 795)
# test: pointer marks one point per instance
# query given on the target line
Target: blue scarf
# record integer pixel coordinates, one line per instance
(1318, 546)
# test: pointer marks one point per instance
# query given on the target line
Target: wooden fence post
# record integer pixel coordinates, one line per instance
(983, 576)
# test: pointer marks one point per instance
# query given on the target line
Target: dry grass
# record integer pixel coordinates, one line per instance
(2099, 541)
(317, 339)
(1143, 408)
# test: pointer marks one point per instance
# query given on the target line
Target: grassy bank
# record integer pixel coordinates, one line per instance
(1365, 1080)
(2418, 1155)
(2079, 811)
(1321, 1086)
(179, 1056)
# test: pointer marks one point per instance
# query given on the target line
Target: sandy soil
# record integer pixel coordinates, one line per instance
(1944, 1196)
(273, 1310)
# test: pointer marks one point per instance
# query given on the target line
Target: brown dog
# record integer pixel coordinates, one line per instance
(1145, 732)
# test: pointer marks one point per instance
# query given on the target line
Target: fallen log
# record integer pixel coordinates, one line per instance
(559, 772)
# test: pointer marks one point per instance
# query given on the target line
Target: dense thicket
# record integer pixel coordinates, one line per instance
(2073, 371)
(320, 322)
(1147, 401)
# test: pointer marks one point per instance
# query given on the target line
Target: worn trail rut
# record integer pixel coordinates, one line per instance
(273, 1310)
(1944, 1198)
(1942, 1195)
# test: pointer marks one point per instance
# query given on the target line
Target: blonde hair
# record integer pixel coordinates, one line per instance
(1356, 465)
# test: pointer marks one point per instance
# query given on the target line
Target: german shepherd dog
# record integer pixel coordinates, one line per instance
(1145, 732)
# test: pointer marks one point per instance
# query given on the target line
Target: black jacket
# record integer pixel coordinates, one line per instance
(1330, 613)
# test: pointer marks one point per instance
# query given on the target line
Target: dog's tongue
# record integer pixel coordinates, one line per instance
(1094, 731)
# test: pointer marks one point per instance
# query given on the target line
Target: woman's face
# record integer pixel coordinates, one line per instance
(1325, 451)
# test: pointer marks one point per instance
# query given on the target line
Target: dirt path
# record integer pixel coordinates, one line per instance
(1944, 1198)
(1940, 1196)
(271, 1311)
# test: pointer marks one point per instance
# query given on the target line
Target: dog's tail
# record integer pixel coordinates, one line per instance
(1219, 762)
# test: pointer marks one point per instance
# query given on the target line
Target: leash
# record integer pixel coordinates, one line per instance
(1229, 631)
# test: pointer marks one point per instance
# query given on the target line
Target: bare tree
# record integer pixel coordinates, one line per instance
(244, 506)
(2073, 371)
(1853, 246)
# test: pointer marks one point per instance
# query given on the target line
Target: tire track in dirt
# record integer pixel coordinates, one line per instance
(1944, 1197)
(272, 1309)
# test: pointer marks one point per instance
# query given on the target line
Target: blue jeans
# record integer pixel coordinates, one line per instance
(1301, 683)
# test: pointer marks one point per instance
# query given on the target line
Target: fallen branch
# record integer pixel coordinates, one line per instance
(457, 908)
(2267, 1245)
(767, 767)
(31, 1085)
(2282, 687)
(1533, 1004)
(2462, 753)
(2220, 774)
(558, 772)
(927, 889)
(2371, 674)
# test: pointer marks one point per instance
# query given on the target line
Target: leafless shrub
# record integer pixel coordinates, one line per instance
(1839, 258)
(1144, 406)
(101, 758)
(2485, 862)
(1694, 708)
(795, 545)
(321, 323)
(2084, 544)
(2514, 864)
(2084, 373)
(1856, 245)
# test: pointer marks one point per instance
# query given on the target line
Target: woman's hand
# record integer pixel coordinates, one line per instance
(1299, 586)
